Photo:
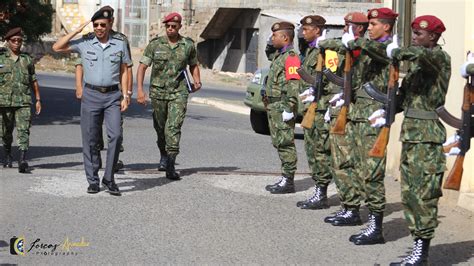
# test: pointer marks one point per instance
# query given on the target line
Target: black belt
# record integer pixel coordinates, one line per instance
(102, 89)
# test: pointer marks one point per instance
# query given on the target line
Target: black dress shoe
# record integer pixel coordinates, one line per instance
(93, 188)
(118, 166)
(111, 187)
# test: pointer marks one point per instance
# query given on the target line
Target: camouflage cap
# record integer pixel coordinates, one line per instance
(13, 32)
(382, 13)
(282, 25)
(428, 23)
(356, 18)
(104, 12)
(172, 17)
(313, 20)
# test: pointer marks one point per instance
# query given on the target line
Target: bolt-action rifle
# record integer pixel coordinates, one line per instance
(339, 127)
(316, 82)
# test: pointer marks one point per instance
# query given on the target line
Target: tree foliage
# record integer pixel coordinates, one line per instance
(33, 16)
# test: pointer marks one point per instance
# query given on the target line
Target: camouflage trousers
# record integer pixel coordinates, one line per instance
(283, 138)
(422, 167)
(21, 117)
(349, 188)
(168, 117)
(318, 152)
(370, 171)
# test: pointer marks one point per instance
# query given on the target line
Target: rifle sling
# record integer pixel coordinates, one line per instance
(420, 114)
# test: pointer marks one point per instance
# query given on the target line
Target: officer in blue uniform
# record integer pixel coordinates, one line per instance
(104, 59)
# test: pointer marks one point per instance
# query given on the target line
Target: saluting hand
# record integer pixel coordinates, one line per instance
(83, 25)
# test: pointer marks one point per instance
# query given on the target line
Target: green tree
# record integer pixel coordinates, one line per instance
(33, 16)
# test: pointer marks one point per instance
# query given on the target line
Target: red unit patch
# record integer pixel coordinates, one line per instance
(292, 63)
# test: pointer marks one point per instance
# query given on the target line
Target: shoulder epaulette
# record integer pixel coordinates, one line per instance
(189, 39)
(119, 36)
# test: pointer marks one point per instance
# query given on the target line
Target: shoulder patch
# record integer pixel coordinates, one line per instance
(292, 63)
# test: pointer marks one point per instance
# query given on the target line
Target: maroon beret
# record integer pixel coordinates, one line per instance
(313, 20)
(283, 25)
(382, 13)
(104, 12)
(428, 23)
(356, 18)
(13, 32)
(172, 17)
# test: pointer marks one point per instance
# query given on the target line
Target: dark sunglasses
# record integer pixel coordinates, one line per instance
(102, 25)
(173, 26)
(16, 40)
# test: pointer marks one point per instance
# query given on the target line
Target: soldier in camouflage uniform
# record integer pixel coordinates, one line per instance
(350, 189)
(79, 82)
(17, 80)
(281, 98)
(422, 160)
(316, 139)
(170, 56)
(370, 170)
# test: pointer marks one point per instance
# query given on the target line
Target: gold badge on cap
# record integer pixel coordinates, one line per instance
(106, 14)
(309, 20)
(176, 18)
(276, 26)
(374, 13)
(349, 18)
(423, 24)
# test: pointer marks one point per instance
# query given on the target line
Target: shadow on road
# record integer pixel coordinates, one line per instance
(452, 253)
(395, 229)
(35, 152)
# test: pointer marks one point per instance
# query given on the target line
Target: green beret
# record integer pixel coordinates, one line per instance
(283, 25)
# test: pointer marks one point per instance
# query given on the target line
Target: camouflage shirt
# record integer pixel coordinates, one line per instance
(277, 83)
(167, 81)
(424, 89)
(309, 64)
(470, 69)
(374, 68)
(16, 79)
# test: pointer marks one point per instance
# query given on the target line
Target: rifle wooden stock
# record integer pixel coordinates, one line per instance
(310, 115)
(453, 181)
(380, 145)
(339, 127)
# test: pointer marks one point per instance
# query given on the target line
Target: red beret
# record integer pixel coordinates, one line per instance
(283, 25)
(356, 18)
(313, 20)
(382, 13)
(428, 23)
(13, 32)
(172, 17)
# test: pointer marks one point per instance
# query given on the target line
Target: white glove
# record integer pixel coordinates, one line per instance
(287, 116)
(308, 99)
(321, 38)
(347, 37)
(453, 151)
(307, 92)
(337, 101)
(454, 138)
(377, 114)
(379, 122)
(470, 60)
(392, 46)
(269, 39)
(327, 116)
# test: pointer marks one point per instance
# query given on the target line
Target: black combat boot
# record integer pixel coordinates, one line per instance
(8, 157)
(272, 186)
(163, 161)
(373, 233)
(349, 218)
(319, 200)
(170, 171)
(419, 254)
(286, 185)
(22, 163)
(332, 218)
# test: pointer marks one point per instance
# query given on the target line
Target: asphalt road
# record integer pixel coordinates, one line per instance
(219, 213)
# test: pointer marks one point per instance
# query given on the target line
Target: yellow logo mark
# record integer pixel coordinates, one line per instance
(292, 70)
(67, 245)
(331, 60)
